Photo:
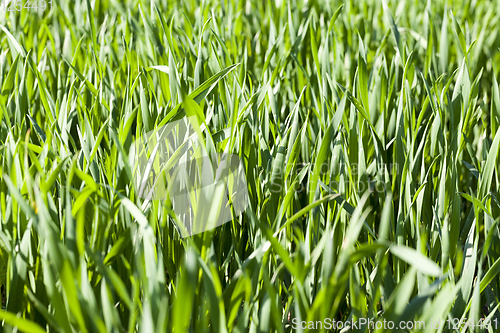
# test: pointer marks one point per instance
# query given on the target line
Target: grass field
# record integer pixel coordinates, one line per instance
(368, 132)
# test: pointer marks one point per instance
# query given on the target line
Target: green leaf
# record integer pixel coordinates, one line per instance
(422, 263)
(487, 173)
(21, 324)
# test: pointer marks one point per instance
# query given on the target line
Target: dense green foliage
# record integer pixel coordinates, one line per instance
(369, 134)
